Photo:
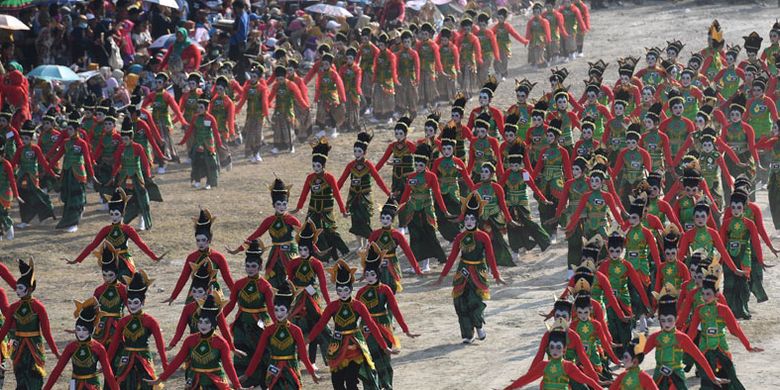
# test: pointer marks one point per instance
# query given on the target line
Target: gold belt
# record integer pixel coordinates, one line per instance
(27, 334)
(131, 349)
(347, 332)
(283, 357)
(114, 315)
(205, 370)
(468, 262)
(384, 313)
(83, 377)
(282, 243)
(252, 311)
(122, 252)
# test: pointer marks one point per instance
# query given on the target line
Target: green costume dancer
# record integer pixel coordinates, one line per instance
(380, 302)
(8, 192)
(283, 343)
(110, 296)
(469, 285)
(132, 172)
(631, 164)
(389, 239)
(594, 337)
(29, 324)
(526, 233)
(118, 234)
(349, 358)
(740, 236)
(9, 136)
(714, 318)
(209, 365)
(741, 138)
(621, 277)
(453, 176)
(495, 214)
(324, 193)
(162, 103)
(203, 153)
(416, 211)
(103, 153)
(307, 275)
(253, 296)
(76, 170)
(535, 136)
(130, 353)
(595, 204)
(359, 201)
(572, 192)
(552, 170)
(401, 151)
(30, 163)
(730, 77)
(48, 139)
(85, 354)
(614, 138)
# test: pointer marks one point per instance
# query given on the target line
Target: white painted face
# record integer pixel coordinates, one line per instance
(651, 59)
(116, 216)
(619, 109)
(562, 103)
(587, 133)
(515, 166)
(202, 241)
(485, 174)
(303, 251)
(281, 312)
(134, 305)
(251, 268)
(205, 326)
(737, 208)
(21, 290)
(735, 116)
(615, 253)
(671, 54)
(280, 206)
(510, 137)
(562, 315)
(447, 150)
(555, 349)
(648, 123)
(482, 132)
(583, 313)
(386, 220)
(667, 322)
(419, 166)
(109, 276)
(400, 135)
(359, 153)
(455, 116)
(317, 167)
(627, 360)
(344, 292)
(708, 295)
(677, 109)
(551, 137)
(634, 219)
(707, 146)
(700, 218)
(430, 132)
(470, 222)
(198, 293)
(521, 96)
(670, 254)
(595, 183)
(537, 120)
(631, 144)
(371, 277)
(82, 333)
(700, 122)
(576, 171)
(685, 79)
(647, 95)
(484, 99)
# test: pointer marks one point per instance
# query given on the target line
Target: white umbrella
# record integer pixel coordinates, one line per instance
(8, 22)
(329, 10)
(164, 3)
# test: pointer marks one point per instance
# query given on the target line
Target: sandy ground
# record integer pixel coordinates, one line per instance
(436, 360)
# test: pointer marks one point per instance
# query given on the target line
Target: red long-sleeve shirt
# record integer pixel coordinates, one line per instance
(129, 232)
(537, 371)
(138, 151)
(170, 101)
(633, 278)
(230, 110)
(190, 57)
(362, 312)
(300, 343)
(216, 342)
(59, 151)
(545, 26)
(496, 152)
(688, 238)
(401, 241)
(330, 180)
(728, 317)
(260, 89)
(38, 155)
(334, 75)
(758, 220)
(217, 258)
(409, 145)
(371, 170)
(149, 323)
(393, 63)
(319, 270)
(474, 41)
(289, 220)
(433, 185)
(185, 318)
(646, 161)
(207, 118)
(263, 287)
(392, 305)
(293, 89)
(480, 236)
(573, 342)
(437, 67)
(97, 350)
(646, 381)
(43, 322)
(755, 242)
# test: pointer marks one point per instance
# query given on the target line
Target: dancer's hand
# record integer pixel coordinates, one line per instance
(169, 301)
(20, 200)
(69, 261)
(721, 381)
(240, 353)
(756, 349)
(500, 281)
(315, 378)
(152, 382)
(234, 251)
(412, 335)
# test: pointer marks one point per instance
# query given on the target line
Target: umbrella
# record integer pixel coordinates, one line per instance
(164, 3)
(14, 5)
(8, 22)
(329, 10)
(165, 41)
(54, 72)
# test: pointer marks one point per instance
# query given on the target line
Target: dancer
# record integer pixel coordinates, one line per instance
(281, 228)
(495, 215)
(29, 321)
(359, 202)
(401, 151)
(284, 343)
(118, 234)
(285, 96)
(255, 96)
(131, 171)
(324, 193)
(8, 192)
(85, 353)
(203, 254)
(253, 296)
(163, 103)
(208, 356)
(206, 140)
(470, 288)
(110, 297)
(31, 164)
(389, 239)
(454, 179)
(417, 213)
(348, 355)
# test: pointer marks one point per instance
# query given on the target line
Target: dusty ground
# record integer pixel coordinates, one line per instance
(436, 360)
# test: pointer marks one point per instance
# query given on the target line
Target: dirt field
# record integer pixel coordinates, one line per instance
(436, 360)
